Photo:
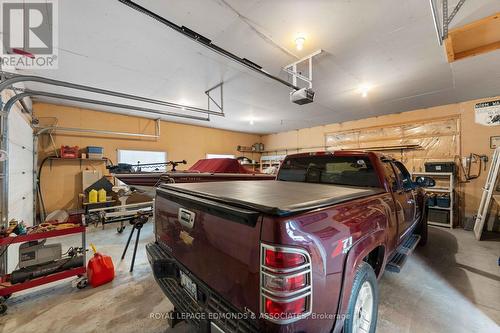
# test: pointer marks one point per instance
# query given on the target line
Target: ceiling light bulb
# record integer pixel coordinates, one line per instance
(251, 121)
(363, 89)
(183, 102)
(299, 43)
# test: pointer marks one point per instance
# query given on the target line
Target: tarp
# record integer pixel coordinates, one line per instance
(219, 165)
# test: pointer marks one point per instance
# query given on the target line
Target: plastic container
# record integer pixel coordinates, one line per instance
(100, 269)
(95, 153)
(92, 196)
(438, 216)
(95, 150)
(431, 200)
(440, 167)
(101, 195)
(443, 201)
(59, 215)
(92, 156)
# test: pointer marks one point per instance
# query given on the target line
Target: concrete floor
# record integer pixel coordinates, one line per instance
(451, 285)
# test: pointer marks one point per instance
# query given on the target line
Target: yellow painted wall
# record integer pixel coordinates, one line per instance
(194, 142)
(475, 138)
(62, 181)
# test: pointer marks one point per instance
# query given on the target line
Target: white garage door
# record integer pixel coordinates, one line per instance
(20, 175)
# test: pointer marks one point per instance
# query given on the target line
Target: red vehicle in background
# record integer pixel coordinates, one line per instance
(299, 254)
(205, 170)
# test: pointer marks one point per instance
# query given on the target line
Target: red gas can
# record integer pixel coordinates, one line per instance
(100, 269)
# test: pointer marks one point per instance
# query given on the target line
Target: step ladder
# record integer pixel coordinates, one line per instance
(398, 259)
(488, 190)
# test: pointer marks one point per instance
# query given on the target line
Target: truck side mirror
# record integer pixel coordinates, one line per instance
(425, 182)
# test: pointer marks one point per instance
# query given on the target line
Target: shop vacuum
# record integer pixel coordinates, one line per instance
(37, 259)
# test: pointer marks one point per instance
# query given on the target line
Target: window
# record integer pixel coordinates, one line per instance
(391, 176)
(403, 175)
(220, 156)
(339, 170)
(135, 157)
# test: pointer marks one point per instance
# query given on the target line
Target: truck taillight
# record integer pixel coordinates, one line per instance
(294, 307)
(278, 259)
(286, 283)
(282, 283)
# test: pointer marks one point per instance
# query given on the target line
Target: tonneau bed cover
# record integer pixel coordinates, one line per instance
(272, 197)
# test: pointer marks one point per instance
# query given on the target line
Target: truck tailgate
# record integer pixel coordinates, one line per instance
(217, 243)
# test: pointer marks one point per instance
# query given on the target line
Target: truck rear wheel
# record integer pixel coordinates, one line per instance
(363, 303)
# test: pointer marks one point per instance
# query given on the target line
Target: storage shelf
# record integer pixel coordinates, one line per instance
(250, 151)
(98, 202)
(6, 288)
(77, 159)
(439, 224)
(40, 235)
(436, 174)
(442, 190)
(267, 161)
(449, 177)
(437, 207)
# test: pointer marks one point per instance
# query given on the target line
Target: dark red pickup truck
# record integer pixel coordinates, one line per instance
(299, 254)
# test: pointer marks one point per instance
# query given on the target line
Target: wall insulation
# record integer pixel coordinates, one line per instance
(429, 141)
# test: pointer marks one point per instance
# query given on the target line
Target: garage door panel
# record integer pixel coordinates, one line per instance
(20, 131)
(20, 176)
(23, 209)
(24, 147)
(20, 186)
(20, 160)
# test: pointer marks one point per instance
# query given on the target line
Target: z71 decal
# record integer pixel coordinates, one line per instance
(343, 246)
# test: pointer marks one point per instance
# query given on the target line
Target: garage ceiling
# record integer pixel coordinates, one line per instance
(391, 47)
